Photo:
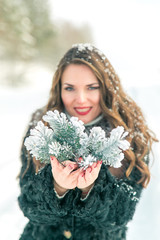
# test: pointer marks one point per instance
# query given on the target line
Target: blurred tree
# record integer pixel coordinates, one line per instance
(67, 35)
(28, 34)
(25, 28)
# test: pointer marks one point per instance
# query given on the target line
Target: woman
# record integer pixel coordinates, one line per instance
(64, 202)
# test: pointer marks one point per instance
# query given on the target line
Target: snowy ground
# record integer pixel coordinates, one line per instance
(16, 107)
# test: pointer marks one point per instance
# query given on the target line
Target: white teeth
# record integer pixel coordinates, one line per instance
(83, 109)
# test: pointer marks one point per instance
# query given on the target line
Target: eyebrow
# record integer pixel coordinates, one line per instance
(88, 85)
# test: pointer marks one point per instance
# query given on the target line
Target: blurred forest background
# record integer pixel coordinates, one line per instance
(28, 35)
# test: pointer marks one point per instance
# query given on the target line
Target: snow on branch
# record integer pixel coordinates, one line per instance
(67, 140)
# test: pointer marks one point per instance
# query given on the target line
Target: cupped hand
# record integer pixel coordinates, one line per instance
(87, 178)
(65, 176)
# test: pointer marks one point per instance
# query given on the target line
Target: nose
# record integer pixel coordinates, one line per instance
(81, 97)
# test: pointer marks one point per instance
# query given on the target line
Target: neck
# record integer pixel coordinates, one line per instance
(94, 121)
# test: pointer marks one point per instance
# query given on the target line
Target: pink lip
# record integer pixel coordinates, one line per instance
(83, 113)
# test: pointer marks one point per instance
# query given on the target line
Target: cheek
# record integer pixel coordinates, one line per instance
(66, 99)
(96, 99)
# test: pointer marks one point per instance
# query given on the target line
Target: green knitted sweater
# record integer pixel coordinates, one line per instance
(102, 215)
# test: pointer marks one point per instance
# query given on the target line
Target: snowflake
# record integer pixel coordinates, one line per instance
(83, 46)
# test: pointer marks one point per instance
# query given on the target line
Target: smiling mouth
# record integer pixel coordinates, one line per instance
(83, 110)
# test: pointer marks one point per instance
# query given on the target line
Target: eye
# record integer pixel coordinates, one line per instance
(69, 88)
(93, 88)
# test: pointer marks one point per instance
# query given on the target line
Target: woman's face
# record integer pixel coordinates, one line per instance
(80, 92)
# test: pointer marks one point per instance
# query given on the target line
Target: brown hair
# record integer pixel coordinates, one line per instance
(117, 107)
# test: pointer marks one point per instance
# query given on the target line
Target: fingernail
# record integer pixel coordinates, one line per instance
(95, 165)
(82, 175)
(52, 158)
(101, 162)
(70, 167)
(90, 170)
(80, 159)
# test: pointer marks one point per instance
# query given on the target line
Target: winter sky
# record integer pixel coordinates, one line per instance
(127, 31)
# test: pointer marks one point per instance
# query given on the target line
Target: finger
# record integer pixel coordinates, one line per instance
(95, 170)
(92, 172)
(94, 165)
(56, 166)
(75, 173)
(73, 164)
(54, 161)
(89, 178)
(65, 163)
(81, 180)
(99, 164)
(73, 176)
(69, 168)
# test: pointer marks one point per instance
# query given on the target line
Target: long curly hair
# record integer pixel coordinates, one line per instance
(117, 107)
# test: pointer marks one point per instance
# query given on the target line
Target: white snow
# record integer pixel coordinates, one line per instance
(16, 106)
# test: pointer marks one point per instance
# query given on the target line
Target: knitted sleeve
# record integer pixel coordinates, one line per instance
(37, 199)
(111, 203)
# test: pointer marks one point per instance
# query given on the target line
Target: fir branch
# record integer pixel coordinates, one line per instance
(61, 151)
(38, 142)
(67, 140)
